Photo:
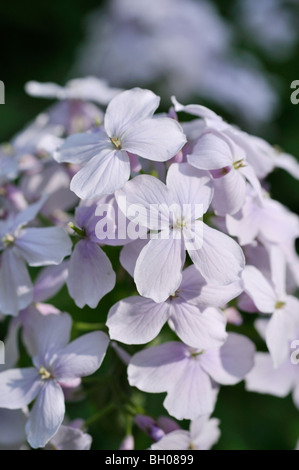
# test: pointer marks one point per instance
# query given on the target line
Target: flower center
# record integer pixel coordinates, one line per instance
(8, 239)
(196, 352)
(179, 224)
(116, 142)
(239, 164)
(44, 373)
(279, 304)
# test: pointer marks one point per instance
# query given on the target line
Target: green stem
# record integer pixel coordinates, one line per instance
(100, 415)
(83, 326)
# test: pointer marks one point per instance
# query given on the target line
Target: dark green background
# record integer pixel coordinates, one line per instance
(39, 41)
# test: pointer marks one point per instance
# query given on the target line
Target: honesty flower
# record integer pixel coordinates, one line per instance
(203, 434)
(264, 378)
(268, 221)
(190, 311)
(176, 210)
(270, 297)
(86, 89)
(261, 156)
(228, 165)
(20, 245)
(129, 127)
(69, 438)
(188, 375)
(56, 363)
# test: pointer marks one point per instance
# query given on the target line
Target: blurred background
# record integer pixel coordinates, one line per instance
(237, 57)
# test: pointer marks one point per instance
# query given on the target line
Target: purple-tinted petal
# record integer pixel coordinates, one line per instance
(229, 193)
(129, 254)
(68, 438)
(91, 274)
(103, 174)
(16, 290)
(259, 289)
(204, 432)
(42, 246)
(198, 329)
(264, 378)
(158, 269)
(196, 290)
(81, 357)
(80, 148)
(220, 259)
(150, 197)
(175, 440)
(211, 152)
(229, 364)
(128, 108)
(49, 281)
(46, 415)
(157, 139)
(18, 387)
(136, 320)
(44, 335)
(191, 187)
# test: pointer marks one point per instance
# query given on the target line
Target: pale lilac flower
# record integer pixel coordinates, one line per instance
(76, 111)
(260, 155)
(129, 127)
(85, 89)
(189, 375)
(177, 210)
(203, 434)
(270, 297)
(56, 364)
(227, 163)
(190, 312)
(69, 438)
(20, 245)
(269, 222)
(91, 274)
(266, 379)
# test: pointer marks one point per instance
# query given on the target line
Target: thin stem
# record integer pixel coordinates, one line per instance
(84, 326)
(100, 415)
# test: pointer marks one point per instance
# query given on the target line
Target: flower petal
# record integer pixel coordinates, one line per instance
(158, 271)
(80, 148)
(229, 364)
(91, 274)
(81, 357)
(43, 246)
(136, 320)
(198, 329)
(259, 289)
(18, 387)
(16, 290)
(129, 107)
(211, 152)
(220, 259)
(46, 415)
(157, 139)
(103, 174)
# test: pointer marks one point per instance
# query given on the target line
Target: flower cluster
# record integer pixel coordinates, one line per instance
(201, 237)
